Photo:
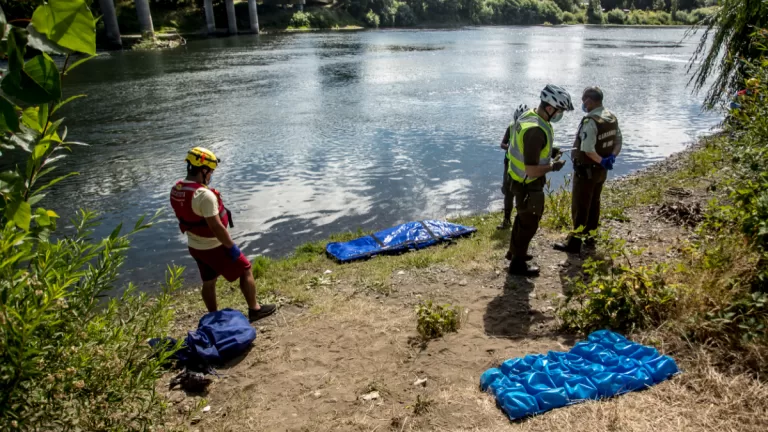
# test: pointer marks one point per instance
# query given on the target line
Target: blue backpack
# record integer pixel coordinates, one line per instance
(220, 337)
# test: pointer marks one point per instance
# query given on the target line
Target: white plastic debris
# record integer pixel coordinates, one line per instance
(370, 396)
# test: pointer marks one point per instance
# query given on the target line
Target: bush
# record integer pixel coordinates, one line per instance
(698, 15)
(683, 17)
(372, 19)
(68, 360)
(433, 321)
(616, 16)
(617, 296)
(300, 20)
(569, 18)
(549, 12)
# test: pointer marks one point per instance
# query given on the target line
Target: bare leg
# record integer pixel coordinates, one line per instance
(209, 295)
(248, 287)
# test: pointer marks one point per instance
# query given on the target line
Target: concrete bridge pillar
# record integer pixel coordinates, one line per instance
(210, 22)
(110, 24)
(145, 17)
(253, 14)
(231, 19)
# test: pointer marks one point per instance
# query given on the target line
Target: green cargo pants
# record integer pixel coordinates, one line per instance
(529, 202)
(585, 205)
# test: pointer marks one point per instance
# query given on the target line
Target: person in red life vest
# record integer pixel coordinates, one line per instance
(203, 217)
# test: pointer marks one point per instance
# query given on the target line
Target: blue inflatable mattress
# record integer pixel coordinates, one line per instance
(606, 364)
(411, 235)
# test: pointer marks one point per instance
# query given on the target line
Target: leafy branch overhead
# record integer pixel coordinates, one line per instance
(31, 93)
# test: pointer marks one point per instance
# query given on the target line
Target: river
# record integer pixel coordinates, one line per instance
(328, 132)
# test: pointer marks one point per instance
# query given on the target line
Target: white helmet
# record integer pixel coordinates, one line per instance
(557, 97)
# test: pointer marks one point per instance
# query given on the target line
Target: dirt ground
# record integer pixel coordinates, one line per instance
(310, 367)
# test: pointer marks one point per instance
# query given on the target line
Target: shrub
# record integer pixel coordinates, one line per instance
(683, 17)
(698, 15)
(569, 18)
(433, 321)
(372, 19)
(300, 20)
(68, 360)
(549, 12)
(616, 16)
(617, 296)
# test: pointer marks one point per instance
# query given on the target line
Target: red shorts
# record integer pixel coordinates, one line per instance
(216, 262)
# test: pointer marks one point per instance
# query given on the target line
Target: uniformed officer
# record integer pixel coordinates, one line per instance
(531, 156)
(598, 142)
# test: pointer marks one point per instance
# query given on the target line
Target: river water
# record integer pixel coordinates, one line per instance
(327, 132)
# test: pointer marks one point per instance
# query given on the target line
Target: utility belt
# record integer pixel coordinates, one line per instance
(587, 171)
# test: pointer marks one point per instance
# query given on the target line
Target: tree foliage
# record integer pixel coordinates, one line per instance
(730, 29)
(68, 360)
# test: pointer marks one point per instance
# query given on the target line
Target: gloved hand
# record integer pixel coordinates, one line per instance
(558, 165)
(519, 111)
(608, 162)
(234, 252)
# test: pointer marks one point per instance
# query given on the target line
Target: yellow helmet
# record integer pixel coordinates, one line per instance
(753, 82)
(199, 157)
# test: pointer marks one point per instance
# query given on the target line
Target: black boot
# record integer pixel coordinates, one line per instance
(590, 243)
(510, 257)
(519, 267)
(572, 246)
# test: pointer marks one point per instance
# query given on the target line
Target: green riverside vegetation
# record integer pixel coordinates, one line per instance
(187, 15)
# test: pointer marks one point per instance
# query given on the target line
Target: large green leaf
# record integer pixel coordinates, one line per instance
(17, 46)
(44, 72)
(42, 217)
(41, 42)
(38, 83)
(68, 23)
(9, 120)
(20, 213)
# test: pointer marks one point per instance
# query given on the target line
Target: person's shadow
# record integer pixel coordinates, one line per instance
(510, 315)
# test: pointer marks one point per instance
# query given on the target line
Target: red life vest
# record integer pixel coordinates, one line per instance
(181, 201)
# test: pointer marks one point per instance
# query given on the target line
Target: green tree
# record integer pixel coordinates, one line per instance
(566, 5)
(730, 31)
(594, 12)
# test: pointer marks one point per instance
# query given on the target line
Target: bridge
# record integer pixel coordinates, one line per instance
(115, 41)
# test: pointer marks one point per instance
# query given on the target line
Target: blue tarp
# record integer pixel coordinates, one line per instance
(606, 364)
(411, 235)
